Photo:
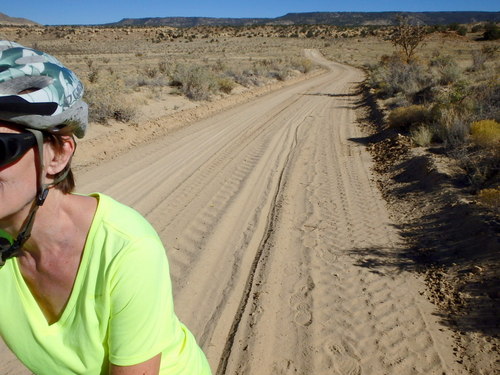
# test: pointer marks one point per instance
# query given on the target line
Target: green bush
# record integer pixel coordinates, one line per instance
(492, 31)
(462, 30)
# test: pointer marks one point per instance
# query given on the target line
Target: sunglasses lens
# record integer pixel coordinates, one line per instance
(13, 147)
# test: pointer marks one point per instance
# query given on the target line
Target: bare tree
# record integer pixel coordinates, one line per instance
(407, 37)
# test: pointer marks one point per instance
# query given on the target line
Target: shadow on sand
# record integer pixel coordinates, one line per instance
(453, 243)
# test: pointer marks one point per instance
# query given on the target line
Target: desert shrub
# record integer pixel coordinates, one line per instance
(478, 60)
(281, 74)
(491, 31)
(451, 124)
(490, 198)
(486, 133)
(446, 69)
(422, 135)
(303, 65)
(163, 67)
(393, 76)
(246, 77)
(93, 75)
(196, 82)
(404, 117)
(487, 97)
(150, 71)
(219, 66)
(462, 30)
(477, 28)
(166, 67)
(142, 81)
(481, 166)
(226, 85)
(106, 101)
(479, 57)
(398, 100)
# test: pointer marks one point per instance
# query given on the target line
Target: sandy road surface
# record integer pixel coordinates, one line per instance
(269, 218)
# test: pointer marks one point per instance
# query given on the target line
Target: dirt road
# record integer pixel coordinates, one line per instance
(269, 217)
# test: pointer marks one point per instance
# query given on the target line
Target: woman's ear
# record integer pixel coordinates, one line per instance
(56, 158)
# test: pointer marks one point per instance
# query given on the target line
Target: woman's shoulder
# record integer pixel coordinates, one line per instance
(121, 219)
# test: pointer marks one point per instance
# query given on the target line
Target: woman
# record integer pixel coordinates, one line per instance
(85, 281)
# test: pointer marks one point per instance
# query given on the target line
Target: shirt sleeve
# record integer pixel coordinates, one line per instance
(142, 320)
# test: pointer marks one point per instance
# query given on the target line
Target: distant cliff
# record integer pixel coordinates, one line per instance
(315, 18)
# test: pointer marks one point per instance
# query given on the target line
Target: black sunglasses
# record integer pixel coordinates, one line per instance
(13, 146)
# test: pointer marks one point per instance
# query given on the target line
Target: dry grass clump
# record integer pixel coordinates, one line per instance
(422, 135)
(486, 133)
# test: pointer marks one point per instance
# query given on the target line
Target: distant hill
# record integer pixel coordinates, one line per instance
(189, 21)
(315, 18)
(6, 20)
(387, 18)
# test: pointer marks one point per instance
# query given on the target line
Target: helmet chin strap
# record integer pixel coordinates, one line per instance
(7, 249)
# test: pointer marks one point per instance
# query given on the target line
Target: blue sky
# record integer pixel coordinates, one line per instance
(53, 12)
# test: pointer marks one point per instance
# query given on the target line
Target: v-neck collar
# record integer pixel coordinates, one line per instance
(30, 301)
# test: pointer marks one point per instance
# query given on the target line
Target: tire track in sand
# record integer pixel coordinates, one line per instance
(334, 316)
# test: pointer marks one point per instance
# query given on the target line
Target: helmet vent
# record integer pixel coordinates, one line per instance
(18, 85)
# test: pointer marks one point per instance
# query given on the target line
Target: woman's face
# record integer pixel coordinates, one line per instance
(18, 185)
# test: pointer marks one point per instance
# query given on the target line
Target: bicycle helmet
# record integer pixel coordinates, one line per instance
(39, 94)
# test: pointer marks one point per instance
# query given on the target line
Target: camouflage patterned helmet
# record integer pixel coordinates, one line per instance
(38, 92)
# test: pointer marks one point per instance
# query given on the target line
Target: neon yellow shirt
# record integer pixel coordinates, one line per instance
(120, 309)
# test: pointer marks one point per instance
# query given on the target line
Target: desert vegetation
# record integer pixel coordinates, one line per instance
(437, 149)
(444, 102)
(127, 68)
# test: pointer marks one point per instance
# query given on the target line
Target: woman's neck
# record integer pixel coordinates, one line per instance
(60, 225)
